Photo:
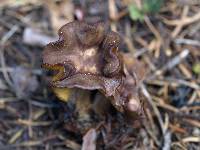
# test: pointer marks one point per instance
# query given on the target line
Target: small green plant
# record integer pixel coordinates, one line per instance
(148, 7)
(196, 68)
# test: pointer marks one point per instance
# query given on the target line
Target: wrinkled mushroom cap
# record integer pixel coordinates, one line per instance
(86, 56)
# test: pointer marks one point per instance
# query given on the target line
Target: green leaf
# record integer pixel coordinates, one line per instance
(148, 6)
(152, 6)
(135, 13)
(196, 68)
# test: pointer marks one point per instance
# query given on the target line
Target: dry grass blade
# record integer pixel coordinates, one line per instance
(16, 136)
(34, 123)
(89, 140)
(4, 39)
(173, 62)
(191, 139)
(187, 42)
(185, 21)
(155, 109)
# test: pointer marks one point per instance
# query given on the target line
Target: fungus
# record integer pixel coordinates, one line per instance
(86, 56)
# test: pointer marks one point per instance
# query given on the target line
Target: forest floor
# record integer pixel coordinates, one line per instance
(32, 117)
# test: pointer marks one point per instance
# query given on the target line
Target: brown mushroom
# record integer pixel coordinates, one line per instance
(86, 56)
